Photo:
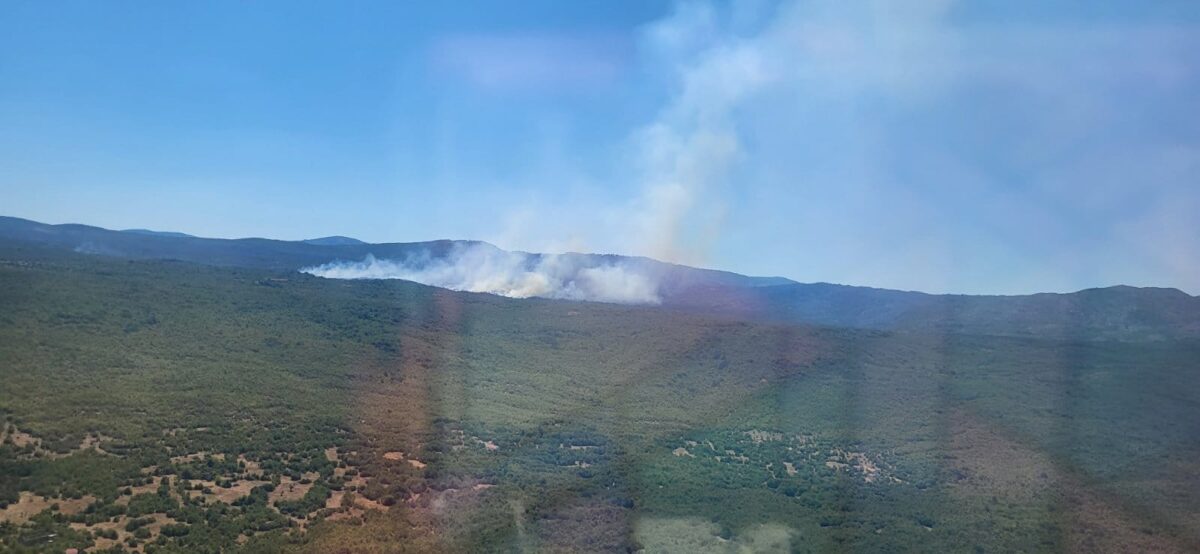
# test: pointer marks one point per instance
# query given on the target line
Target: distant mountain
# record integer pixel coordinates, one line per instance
(249, 252)
(158, 233)
(335, 240)
(292, 255)
(1118, 313)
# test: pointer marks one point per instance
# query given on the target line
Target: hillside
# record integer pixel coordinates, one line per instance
(334, 241)
(1119, 313)
(293, 255)
(178, 407)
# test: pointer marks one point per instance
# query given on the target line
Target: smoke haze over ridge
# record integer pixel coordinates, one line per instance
(483, 268)
(937, 145)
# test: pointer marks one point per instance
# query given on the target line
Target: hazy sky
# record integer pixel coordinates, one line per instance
(996, 146)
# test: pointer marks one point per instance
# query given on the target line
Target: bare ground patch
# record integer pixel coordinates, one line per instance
(287, 489)
(29, 505)
(21, 439)
(118, 526)
(223, 494)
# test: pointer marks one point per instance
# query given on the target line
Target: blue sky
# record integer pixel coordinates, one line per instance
(978, 147)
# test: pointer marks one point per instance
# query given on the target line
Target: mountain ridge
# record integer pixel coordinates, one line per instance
(8, 222)
(1118, 312)
(335, 240)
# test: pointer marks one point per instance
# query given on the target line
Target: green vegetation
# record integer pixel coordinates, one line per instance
(185, 408)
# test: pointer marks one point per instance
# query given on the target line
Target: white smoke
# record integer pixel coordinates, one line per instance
(691, 147)
(482, 268)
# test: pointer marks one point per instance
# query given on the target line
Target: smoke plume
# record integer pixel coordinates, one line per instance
(484, 268)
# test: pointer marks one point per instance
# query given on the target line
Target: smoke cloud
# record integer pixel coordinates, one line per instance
(689, 150)
(484, 268)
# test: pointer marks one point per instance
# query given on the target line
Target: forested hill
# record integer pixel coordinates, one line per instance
(172, 407)
(1112, 313)
(285, 255)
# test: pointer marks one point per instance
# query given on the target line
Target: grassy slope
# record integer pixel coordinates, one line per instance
(998, 444)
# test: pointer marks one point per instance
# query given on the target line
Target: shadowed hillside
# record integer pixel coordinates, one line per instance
(1119, 312)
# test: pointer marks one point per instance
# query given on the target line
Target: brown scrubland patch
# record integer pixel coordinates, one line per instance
(19, 438)
(93, 442)
(992, 463)
(222, 494)
(29, 505)
(287, 489)
(356, 482)
(394, 416)
(348, 505)
(368, 504)
(253, 468)
(119, 526)
(22, 439)
(150, 487)
(1176, 484)
(345, 514)
(583, 527)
